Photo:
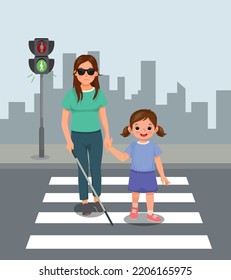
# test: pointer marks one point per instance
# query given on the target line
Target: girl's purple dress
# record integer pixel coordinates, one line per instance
(142, 175)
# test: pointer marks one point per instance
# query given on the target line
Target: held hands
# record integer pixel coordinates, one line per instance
(165, 181)
(108, 143)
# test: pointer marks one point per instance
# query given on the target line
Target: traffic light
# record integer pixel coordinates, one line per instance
(41, 48)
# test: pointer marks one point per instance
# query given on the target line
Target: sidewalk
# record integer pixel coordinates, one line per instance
(26, 155)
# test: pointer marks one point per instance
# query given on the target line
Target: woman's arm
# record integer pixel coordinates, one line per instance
(160, 169)
(104, 122)
(65, 129)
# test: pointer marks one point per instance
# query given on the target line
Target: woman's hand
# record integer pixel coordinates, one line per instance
(107, 143)
(165, 181)
(70, 146)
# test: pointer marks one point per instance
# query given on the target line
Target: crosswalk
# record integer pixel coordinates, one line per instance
(115, 237)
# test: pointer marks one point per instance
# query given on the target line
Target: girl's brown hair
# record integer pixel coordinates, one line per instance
(76, 84)
(143, 114)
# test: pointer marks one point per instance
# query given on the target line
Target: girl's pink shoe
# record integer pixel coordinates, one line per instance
(153, 218)
(134, 213)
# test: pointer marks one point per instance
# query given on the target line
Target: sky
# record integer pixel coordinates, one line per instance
(189, 40)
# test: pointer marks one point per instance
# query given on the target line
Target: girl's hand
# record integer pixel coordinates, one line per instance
(107, 143)
(165, 181)
(70, 147)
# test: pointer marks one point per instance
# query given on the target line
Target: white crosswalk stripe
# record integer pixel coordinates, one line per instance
(120, 197)
(113, 181)
(117, 218)
(118, 241)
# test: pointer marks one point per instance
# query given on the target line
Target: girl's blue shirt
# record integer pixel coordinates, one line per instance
(142, 155)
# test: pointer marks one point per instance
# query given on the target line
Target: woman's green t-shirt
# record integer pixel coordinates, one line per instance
(85, 117)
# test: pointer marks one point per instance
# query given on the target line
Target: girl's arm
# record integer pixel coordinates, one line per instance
(104, 122)
(65, 128)
(160, 169)
(119, 155)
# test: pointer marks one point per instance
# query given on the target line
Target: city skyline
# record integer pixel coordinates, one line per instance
(181, 126)
(171, 37)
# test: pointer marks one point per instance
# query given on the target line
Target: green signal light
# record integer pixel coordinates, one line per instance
(41, 65)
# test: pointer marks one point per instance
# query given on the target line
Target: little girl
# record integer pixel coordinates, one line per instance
(143, 153)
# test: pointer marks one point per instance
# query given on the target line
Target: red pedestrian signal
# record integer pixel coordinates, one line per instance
(41, 47)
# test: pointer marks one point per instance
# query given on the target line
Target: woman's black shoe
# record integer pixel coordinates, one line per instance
(86, 209)
(98, 207)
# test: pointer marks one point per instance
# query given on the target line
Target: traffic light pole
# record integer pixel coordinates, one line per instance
(41, 64)
(41, 128)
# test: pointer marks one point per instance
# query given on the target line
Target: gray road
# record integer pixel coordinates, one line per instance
(22, 193)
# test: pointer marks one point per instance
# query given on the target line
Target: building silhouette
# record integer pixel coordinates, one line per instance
(181, 127)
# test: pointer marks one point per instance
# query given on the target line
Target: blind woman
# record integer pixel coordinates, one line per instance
(86, 104)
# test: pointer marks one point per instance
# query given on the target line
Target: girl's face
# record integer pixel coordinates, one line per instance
(86, 77)
(143, 130)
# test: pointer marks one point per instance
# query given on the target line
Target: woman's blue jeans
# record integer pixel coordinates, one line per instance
(88, 145)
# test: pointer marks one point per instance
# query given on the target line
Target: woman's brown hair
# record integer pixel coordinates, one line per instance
(76, 84)
(143, 114)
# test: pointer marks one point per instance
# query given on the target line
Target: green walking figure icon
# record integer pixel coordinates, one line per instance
(41, 65)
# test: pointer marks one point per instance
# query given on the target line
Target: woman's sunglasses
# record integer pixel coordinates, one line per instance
(89, 71)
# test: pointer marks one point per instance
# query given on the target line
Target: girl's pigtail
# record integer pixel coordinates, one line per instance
(160, 131)
(125, 132)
